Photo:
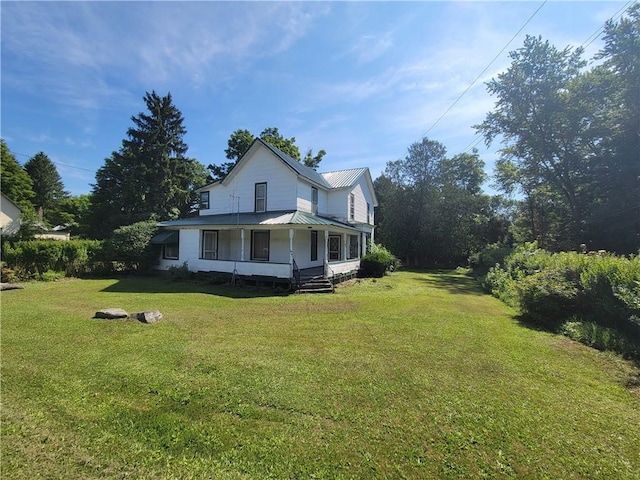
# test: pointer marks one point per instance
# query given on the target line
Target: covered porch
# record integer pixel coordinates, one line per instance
(279, 246)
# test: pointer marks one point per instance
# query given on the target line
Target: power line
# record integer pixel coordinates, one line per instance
(595, 35)
(52, 161)
(485, 69)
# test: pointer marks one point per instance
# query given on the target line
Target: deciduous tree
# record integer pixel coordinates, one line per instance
(240, 141)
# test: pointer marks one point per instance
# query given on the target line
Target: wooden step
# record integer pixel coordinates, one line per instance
(316, 285)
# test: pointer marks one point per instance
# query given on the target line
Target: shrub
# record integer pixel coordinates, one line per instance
(600, 292)
(548, 296)
(50, 276)
(377, 261)
(180, 273)
(132, 246)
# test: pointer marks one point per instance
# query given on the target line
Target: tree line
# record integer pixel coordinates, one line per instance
(569, 166)
(568, 172)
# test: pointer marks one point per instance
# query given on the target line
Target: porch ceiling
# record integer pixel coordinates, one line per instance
(253, 219)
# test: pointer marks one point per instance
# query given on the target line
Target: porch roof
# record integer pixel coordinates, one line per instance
(264, 218)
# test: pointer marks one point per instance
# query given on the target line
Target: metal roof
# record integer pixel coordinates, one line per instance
(343, 178)
(248, 219)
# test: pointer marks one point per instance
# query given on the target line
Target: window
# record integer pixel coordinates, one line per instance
(353, 246)
(170, 242)
(334, 247)
(314, 200)
(260, 245)
(314, 245)
(368, 212)
(352, 206)
(204, 200)
(209, 245)
(261, 197)
(171, 248)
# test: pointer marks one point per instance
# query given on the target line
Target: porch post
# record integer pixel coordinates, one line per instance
(242, 244)
(325, 264)
(345, 247)
(291, 246)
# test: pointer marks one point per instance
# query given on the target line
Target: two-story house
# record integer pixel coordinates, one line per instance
(273, 217)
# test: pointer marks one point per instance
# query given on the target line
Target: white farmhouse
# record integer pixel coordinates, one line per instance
(274, 219)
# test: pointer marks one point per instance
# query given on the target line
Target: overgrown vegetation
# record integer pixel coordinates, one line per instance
(592, 298)
(412, 375)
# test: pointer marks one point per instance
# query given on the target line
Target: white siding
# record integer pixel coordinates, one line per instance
(304, 197)
(339, 203)
(262, 167)
(9, 216)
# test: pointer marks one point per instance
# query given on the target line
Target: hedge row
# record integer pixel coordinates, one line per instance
(129, 249)
(28, 259)
(592, 298)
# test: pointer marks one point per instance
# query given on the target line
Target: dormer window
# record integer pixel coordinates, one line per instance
(261, 197)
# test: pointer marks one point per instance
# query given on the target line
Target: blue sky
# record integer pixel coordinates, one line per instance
(363, 80)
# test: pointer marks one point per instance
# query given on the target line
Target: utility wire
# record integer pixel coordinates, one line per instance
(595, 35)
(485, 69)
(52, 161)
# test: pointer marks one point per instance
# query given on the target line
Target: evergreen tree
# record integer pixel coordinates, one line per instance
(15, 182)
(47, 184)
(150, 176)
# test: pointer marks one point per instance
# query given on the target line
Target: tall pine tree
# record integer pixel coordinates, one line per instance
(47, 184)
(150, 176)
(15, 182)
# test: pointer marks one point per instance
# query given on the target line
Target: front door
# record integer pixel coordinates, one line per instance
(334, 247)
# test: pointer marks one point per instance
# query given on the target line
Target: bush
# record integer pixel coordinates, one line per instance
(180, 273)
(599, 292)
(548, 297)
(377, 262)
(132, 246)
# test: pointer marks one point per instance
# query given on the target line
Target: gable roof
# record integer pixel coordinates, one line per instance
(348, 178)
(298, 167)
(6, 199)
(343, 178)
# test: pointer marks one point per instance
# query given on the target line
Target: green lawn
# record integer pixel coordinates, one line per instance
(411, 376)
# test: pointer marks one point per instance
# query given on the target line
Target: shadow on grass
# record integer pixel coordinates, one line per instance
(162, 284)
(451, 281)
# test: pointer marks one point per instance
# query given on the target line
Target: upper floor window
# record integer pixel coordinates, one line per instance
(261, 197)
(368, 212)
(352, 206)
(314, 200)
(204, 200)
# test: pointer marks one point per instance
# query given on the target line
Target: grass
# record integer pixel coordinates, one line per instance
(414, 375)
